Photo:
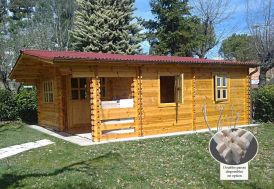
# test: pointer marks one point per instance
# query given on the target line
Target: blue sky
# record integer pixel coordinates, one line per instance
(235, 24)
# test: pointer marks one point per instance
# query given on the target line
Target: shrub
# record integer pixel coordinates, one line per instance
(263, 103)
(26, 102)
(22, 105)
(8, 106)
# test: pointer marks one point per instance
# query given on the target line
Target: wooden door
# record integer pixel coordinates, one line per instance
(79, 116)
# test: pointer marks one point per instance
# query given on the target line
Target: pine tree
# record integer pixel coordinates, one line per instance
(174, 31)
(106, 26)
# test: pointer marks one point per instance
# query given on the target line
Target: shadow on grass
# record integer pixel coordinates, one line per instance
(89, 167)
(9, 126)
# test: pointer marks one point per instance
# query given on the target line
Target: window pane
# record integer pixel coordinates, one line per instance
(45, 87)
(218, 81)
(224, 81)
(103, 81)
(103, 92)
(82, 83)
(224, 93)
(48, 91)
(82, 94)
(74, 83)
(74, 94)
(50, 97)
(167, 84)
(218, 93)
(46, 97)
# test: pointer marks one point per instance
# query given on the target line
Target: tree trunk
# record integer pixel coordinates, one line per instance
(201, 54)
(262, 77)
(3, 79)
(18, 88)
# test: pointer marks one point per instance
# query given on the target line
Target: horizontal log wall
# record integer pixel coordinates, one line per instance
(51, 114)
(198, 86)
(151, 117)
(160, 119)
(237, 97)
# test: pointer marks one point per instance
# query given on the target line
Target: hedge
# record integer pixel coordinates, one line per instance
(263, 104)
(18, 106)
(26, 102)
(8, 106)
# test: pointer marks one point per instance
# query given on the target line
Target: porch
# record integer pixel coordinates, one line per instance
(109, 107)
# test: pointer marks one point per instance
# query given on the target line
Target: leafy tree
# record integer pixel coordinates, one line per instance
(208, 39)
(3, 10)
(106, 26)
(21, 14)
(174, 30)
(39, 24)
(53, 20)
(21, 9)
(238, 47)
(14, 22)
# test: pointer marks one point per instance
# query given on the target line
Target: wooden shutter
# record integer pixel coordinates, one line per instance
(180, 88)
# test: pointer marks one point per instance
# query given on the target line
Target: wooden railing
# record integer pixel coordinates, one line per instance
(114, 115)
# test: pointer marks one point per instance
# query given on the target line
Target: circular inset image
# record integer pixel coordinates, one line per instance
(233, 146)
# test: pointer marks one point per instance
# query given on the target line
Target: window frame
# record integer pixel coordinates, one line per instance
(221, 88)
(179, 81)
(78, 88)
(48, 91)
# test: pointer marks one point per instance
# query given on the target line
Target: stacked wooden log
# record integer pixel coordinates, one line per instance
(232, 145)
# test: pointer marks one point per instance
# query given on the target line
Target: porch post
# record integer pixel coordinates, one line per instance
(95, 108)
(138, 102)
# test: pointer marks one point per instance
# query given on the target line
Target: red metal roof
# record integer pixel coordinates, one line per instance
(68, 55)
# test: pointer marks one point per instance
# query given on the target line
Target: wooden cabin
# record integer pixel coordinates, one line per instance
(122, 96)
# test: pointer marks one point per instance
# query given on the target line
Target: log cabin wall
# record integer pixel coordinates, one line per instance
(161, 118)
(50, 114)
(198, 85)
(151, 116)
(191, 83)
(237, 102)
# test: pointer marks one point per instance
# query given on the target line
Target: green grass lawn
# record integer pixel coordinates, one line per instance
(171, 162)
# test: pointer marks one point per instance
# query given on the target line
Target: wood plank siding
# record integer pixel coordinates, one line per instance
(74, 101)
(151, 117)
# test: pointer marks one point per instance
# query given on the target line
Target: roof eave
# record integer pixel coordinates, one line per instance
(60, 59)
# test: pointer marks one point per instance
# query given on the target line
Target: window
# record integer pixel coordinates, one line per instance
(171, 89)
(103, 86)
(48, 91)
(220, 87)
(78, 88)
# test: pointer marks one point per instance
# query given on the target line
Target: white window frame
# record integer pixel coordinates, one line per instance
(221, 86)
